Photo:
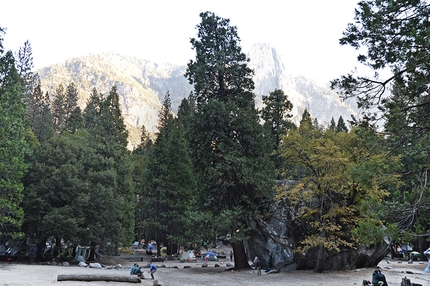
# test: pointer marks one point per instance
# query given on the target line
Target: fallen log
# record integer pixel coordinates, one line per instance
(90, 277)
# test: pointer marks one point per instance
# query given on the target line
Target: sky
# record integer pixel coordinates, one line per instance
(305, 33)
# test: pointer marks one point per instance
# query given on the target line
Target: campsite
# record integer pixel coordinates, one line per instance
(192, 271)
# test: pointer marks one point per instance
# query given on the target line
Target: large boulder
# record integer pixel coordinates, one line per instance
(278, 236)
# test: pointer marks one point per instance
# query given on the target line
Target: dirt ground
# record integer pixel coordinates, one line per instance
(173, 273)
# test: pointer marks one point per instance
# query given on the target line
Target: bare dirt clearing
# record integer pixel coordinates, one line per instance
(173, 273)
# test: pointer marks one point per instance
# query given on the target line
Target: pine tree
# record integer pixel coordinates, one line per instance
(104, 120)
(38, 111)
(58, 109)
(332, 124)
(169, 182)
(12, 146)
(231, 153)
(71, 102)
(275, 114)
(341, 126)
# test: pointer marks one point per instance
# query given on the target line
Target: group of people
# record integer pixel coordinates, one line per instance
(136, 270)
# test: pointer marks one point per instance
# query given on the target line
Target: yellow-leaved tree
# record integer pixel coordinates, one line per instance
(340, 172)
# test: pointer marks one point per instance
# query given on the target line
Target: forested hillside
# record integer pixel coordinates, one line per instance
(143, 84)
(227, 164)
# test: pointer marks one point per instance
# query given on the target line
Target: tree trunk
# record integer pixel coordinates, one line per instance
(39, 251)
(240, 257)
(319, 265)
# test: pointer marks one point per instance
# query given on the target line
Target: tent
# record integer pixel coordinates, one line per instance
(188, 256)
(210, 256)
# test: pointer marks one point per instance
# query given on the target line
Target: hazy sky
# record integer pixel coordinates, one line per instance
(305, 32)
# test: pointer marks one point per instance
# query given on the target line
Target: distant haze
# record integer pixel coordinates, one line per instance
(142, 85)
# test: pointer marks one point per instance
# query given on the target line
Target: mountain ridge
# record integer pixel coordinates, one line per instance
(142, 85)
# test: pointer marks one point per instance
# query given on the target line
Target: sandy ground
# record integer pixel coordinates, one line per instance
(173, 273)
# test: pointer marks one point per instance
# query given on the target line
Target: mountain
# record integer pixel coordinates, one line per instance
(143, 84)
(270, 74)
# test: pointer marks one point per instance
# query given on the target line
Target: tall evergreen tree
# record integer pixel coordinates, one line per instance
(332, 124)
(71, 102)
(275, 114)
(58, 111)
(341, 126)
(12, 146)
(169, 182)
(39, 117)
(231, 152)
(104, 121)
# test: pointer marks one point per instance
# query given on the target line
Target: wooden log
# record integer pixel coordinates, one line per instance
(90, 277)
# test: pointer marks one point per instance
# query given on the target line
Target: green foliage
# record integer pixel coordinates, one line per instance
(275, 114)
(220, 69)
(394, 37)
(341, 126)
(230, 150)
(396, 41)
(342, 176)
(70, 194)
(12, 147)
(169, 182)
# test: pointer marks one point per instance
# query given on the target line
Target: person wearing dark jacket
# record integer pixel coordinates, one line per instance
(378, 278)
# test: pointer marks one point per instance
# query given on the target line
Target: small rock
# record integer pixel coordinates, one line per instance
(187, 266)
(65, 264)
(204, 265)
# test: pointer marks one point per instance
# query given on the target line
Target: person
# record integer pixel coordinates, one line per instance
(270, 260)
(133, 268)
(378, 278)
(139, 273)
(152, 270)
(231, 255)
(136, 270)
(258, 266)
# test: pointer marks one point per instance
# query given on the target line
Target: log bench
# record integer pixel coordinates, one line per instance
(90, 277)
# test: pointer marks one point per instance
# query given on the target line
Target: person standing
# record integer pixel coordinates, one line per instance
(152, 270)
(270, 260)
(258, 266)
(231, 255)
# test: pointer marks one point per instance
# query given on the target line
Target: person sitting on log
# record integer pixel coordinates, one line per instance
(136, 270)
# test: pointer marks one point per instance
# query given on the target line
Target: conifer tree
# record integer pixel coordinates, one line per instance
(231, 153)
(275, 114)
(58, 109)
(12, 146)
(170, 182)
(341, 126)
(332, 124)
(39, 117)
